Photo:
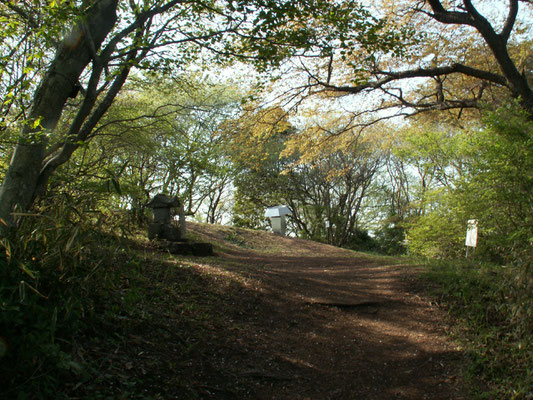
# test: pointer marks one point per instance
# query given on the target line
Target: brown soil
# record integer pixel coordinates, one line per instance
(326, 323)
(269, 318)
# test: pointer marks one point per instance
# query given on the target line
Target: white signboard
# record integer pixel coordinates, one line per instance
(471, 233)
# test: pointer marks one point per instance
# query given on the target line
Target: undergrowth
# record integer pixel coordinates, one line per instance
(50, 273)
(86, 313)
(494, 308)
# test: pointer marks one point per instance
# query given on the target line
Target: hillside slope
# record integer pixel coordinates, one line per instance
(339, 324)
(267, 318)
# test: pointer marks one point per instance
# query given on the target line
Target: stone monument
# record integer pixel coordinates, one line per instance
(162, 227)
(172, 236)
(277, 218)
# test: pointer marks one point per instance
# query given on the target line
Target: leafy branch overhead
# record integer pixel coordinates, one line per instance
(64, 63)
(313, 29)
(107, 42)
(416, 56)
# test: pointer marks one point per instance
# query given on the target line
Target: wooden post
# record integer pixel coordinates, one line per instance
(181, 215)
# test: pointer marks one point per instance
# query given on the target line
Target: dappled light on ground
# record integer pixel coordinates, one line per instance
(329, 324)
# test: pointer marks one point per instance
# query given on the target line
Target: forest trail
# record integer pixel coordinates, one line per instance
(318, 322)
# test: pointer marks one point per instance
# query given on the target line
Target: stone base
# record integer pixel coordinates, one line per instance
(202, 249)
(194, 249)
(164, 231)
(172, 241)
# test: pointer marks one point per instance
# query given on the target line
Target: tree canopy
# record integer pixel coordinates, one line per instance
(417, 56)
(384, 126)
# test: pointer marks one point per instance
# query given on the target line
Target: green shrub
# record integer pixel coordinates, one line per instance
(390, 240)
(48, 271)
(360, 240)
(496, 188)
(494, 308)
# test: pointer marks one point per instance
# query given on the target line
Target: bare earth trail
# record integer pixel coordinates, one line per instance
(327, 323)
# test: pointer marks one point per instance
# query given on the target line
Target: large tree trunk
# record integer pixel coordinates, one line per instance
(18, 190)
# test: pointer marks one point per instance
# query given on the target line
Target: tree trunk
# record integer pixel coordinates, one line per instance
(77, 49)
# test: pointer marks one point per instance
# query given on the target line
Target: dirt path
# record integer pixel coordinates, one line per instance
(327, 325)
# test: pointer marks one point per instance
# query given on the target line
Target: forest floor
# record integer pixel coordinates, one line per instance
(272, 318)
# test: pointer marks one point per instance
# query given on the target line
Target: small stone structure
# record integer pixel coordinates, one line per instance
(171, 235)
(162, 227)
(277, 218)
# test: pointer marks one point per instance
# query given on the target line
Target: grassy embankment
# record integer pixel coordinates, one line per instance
(492, 310)
(89, 315)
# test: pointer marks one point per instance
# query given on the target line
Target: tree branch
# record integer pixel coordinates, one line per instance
(510, 21)
(448, 17)
(22, 13)
(391, 76)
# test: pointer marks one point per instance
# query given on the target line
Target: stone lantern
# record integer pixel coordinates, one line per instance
(277, 218)
(162, 227)
(174, 237)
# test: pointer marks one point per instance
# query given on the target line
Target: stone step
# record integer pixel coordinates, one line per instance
(196, 249)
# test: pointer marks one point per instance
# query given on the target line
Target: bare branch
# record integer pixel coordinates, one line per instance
(509, 23)
(472, 11)
(448, 17)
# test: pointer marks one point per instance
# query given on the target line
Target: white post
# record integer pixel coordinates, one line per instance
(471, 235)
(277, 225)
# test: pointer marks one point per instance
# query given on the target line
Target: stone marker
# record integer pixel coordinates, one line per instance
(174, 237)
(162, 227)
(277, 218)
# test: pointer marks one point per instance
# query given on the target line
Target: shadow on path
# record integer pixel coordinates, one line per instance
(338, 327)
